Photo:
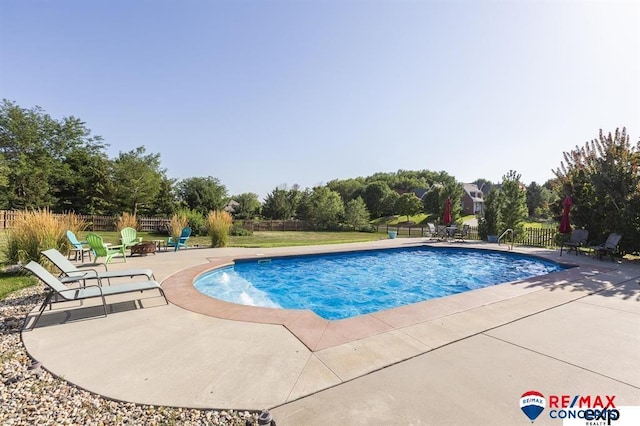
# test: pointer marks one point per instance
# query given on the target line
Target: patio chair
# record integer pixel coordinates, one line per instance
(609, 247)
(128, 237)
(430, 231)
(72, 274)
(461, 234)
(181, 241)
(57, 288)
(578, 239)
(77, 247)
(100, 249)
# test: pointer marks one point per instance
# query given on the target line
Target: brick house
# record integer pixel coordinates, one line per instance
(472, 200)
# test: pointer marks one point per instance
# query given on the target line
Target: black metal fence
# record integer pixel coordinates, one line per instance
(535, 237)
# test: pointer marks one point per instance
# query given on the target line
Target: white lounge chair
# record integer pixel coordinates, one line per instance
(73, 274)
(57, 288)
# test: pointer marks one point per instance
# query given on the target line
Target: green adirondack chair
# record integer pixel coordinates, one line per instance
(100, 249)
(128, 237)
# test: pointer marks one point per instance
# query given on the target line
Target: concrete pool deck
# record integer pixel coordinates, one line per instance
(457, 360)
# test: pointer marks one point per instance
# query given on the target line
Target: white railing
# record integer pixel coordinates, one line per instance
(505, 233)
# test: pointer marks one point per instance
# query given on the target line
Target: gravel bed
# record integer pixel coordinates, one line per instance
(30, 395)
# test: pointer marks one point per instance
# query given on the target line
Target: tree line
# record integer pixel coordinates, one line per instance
(58, 164)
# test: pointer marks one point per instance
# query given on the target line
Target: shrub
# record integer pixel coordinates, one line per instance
(33, 232)
(126, 221)
(195, 220)
(218, 225)
(239, 231)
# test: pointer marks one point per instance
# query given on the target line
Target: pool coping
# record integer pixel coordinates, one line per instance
(317, 333)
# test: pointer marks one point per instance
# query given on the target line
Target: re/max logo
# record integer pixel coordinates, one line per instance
(578, 401)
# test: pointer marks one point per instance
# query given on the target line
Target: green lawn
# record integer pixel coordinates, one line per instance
(10, 282)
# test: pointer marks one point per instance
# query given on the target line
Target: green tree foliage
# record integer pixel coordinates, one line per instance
(539, 197)
(513, 208)
(41, 155)
(603, 181)
(325, 208)
(195, 220)
(281, 203)
(4, 182)
(408, 204)
(488, 221)
(452, 190)
(202, 194)
(349, 189)
(83, 181)
(135, 180)
(373, 196)
(165, 204)
(388, 203)
(248, 205)
(356, 214)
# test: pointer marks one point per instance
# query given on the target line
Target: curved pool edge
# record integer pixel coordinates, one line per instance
(317, 333)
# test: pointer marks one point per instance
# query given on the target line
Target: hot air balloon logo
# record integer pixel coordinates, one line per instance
(532, 403)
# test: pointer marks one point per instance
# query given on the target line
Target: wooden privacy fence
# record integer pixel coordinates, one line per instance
(275, 225)
(94, 222)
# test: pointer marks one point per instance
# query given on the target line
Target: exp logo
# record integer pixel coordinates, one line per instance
(593, 409)
(532, 403)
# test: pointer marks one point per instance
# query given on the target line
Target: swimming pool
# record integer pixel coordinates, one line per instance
(343, 285)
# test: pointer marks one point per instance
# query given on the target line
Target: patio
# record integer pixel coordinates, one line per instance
(462, 359)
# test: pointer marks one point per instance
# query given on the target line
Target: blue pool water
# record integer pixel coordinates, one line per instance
(343, 285)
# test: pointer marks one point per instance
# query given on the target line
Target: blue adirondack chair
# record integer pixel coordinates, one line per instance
(181, 241)
(78, 247)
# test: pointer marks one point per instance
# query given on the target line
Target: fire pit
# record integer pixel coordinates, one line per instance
(143, 248)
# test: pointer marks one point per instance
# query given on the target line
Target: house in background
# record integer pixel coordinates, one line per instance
(231, 206)
(472, 200)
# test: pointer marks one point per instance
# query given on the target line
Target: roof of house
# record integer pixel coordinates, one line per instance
(472, 188)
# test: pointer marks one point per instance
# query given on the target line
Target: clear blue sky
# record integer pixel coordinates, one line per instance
(264, 93)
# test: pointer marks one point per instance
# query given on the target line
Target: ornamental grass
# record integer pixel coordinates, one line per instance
(218, 225)
(126, 220)
(34, 231)
(178, 222)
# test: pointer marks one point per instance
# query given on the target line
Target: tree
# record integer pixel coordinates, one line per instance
(165, 202)
(325, 208)
(356, 214)
(488, 222)
(513, 208)
(4, 182)
(82, 184)
(373, 195)
(35, 148)
(538, 199)
(452, 190)
(277, 205)
(248, 205)
(349, 189)
(135, 180)
(408, 205)
(603, 181)
(202, 194)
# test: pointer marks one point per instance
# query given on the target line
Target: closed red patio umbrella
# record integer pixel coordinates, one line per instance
(446, 218)
(565, 224)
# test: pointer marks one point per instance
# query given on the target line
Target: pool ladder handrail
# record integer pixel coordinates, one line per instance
(508, 231)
